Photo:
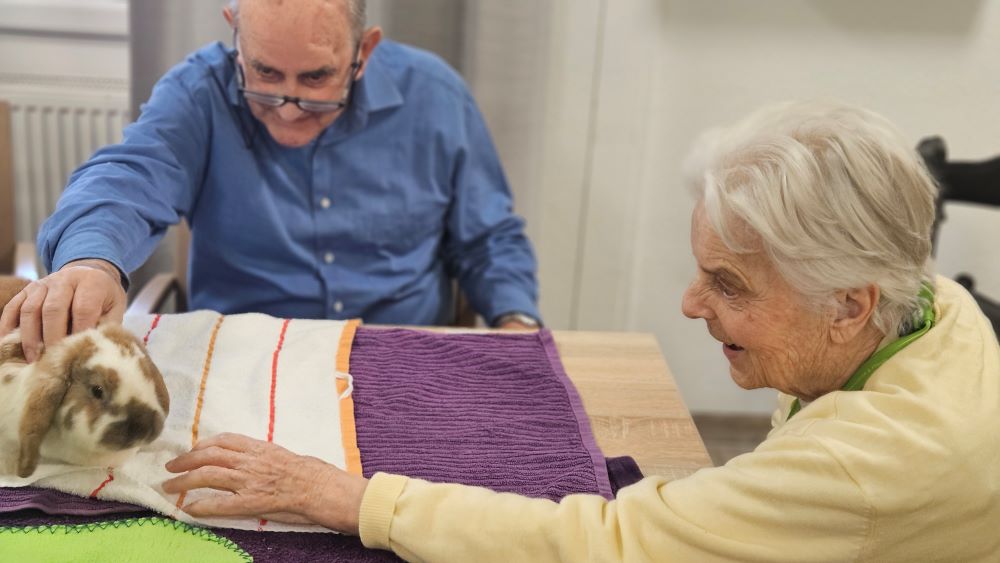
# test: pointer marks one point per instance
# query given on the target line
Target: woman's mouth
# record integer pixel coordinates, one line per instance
(731, 350)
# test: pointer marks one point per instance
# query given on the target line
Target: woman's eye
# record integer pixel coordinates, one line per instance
(97, 391)
(724, 289)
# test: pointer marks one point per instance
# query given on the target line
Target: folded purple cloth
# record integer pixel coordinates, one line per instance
(490, 410)
(496, 411)
(623, 471)
(56, 502)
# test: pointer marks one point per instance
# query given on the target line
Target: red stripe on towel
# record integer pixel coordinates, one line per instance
(156, 322)
(274, 378)
(111, 477)
(274, 386)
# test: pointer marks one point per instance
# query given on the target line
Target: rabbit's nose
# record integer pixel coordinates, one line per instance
(141, 425)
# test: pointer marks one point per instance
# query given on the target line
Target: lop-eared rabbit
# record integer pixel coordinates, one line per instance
(92, 399)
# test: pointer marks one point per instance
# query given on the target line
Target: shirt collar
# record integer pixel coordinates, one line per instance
(376, 90)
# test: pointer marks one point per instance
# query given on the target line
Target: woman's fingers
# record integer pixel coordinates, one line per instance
(207, 477)
(234, 442)
(211, 455)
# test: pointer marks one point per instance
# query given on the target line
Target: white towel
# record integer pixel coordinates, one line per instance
(221, 372)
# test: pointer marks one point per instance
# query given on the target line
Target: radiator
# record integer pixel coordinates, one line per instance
(53, 131)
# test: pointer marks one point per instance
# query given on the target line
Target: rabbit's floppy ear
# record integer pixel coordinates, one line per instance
(46, 394)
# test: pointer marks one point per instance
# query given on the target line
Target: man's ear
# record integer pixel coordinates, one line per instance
(227, 12)
(855, 308)
(369, 41)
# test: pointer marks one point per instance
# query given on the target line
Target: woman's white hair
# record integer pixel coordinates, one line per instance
(836, 194)
(357, 11)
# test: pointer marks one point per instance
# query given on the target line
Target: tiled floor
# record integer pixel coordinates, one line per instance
(727, 436)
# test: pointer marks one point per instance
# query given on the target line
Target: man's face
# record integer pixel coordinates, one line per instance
(304, 52)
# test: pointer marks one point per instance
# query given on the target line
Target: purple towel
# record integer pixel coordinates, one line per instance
(489, 410)
(496, 411)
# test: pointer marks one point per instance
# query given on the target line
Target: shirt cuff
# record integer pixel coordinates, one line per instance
(83, 248)
(378, 507)
(505, 300)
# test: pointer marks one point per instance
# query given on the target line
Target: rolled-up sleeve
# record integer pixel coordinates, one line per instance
(118, 205)
(790, 502)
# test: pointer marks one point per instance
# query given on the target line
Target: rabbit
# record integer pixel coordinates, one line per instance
(92, 399)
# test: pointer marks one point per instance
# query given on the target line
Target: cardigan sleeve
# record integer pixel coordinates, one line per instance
(788, 501)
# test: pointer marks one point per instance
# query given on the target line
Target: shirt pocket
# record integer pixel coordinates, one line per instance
(401, 231)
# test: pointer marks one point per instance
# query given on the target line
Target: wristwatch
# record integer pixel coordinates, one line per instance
(518, 317)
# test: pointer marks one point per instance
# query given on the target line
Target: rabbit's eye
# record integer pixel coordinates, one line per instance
(97, 391)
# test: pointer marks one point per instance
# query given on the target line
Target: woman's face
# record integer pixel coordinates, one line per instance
(770, 334)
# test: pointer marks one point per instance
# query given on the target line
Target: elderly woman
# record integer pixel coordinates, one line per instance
(811, 236)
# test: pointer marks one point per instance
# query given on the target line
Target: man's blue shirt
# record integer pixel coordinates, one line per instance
(403, 192)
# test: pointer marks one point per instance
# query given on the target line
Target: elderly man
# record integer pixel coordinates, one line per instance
(325, 174)
(812, 241)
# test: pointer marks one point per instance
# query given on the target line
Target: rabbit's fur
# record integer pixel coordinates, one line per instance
(92, 399)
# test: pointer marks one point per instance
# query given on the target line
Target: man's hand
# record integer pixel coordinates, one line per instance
(77, 297)
(267, 481)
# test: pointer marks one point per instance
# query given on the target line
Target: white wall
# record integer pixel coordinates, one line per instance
(661, 72)
(930, 67)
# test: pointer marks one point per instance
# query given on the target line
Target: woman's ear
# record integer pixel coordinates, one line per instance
(855, 308)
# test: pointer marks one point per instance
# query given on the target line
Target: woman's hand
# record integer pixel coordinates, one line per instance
(267, 481)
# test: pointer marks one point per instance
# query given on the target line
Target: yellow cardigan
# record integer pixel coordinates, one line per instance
(907, 469)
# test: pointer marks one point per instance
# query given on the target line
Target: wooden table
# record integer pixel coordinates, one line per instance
(633, 403)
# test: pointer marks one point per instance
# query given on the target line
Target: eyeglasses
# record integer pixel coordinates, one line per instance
(312, 106)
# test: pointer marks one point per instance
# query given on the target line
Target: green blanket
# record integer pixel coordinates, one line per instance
(135, 539)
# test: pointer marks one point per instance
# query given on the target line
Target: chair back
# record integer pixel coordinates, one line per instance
(970, 182)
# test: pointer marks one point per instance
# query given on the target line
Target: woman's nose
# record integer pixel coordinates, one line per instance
(693, 303)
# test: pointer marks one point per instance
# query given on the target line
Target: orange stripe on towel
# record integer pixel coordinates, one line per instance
(348, 431)
(201, 391)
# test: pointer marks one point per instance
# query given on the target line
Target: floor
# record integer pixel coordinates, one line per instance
(727, 436)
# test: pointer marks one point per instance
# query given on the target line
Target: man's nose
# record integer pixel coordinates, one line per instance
(290, 112)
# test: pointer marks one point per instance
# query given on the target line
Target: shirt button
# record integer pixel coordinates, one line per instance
(328, 258)
(338, 306)
(324, 203)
